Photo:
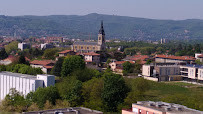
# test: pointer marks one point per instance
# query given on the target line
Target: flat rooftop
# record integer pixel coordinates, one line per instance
(27, 76)
(168, 107)
(71, 110)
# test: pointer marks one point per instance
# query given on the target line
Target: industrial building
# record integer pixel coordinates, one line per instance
(23, 83)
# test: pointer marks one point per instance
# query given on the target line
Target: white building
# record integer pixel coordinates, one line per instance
(23, 83)
(23, 46)
(46, 46)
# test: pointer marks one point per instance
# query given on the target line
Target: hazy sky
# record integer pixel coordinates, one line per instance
(156, 9)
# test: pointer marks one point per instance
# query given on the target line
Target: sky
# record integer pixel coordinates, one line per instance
(154, 9)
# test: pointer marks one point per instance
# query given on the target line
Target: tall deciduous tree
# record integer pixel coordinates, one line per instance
(3, 54)
(71, 64)
(115, 90)
(56, 70)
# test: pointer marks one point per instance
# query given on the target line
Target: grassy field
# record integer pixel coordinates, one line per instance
(187, 94)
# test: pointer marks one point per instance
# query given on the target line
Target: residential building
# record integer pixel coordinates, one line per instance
(80, 46)
(174, 59)
(71, 110)
(151, 107)
(45, 65)
(92, 57)
(161, 72)
(23, 46)
(200, 57)
(192, 72)
(23, 83)
(142, 59)
(46, 46)
(117, 66)
(66, 52)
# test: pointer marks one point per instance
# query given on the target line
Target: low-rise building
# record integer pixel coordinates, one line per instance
(192, 72)
(200, 58)
(141, 58)
(162, 72)
(45, 65)
(174, 59)
(151, 107)
(117, 66)
(23, 83)
(66, 52)
(46, 46)
(92, 57)
(23, 46)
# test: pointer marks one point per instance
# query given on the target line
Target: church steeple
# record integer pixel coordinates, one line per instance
(101, 37)
(101, 31)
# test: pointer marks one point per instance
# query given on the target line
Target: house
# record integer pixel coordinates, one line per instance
(23, 83)
(66, 52)
(92, 57)
(10, 59)
(81, 46)
(117, 66)
(200, 57)
(45, 65)
(174, 59)
(141, 58)
(151, 107)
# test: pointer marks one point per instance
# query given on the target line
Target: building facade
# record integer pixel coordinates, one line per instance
(91, 46)
(92, 57)
(23, 46)
(23, 83)
(45, 65)
(66, 52)
(174, 59)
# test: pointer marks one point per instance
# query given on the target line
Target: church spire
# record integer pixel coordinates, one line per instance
(101, 31)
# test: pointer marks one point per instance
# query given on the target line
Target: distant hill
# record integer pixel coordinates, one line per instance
(121, 27)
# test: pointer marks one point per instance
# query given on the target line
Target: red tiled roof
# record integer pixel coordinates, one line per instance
(175, 57)
(121, 62)
(200, 56)
(49, 67)
(11, 58)
(65, 51)
(42, 62)
(91, 53)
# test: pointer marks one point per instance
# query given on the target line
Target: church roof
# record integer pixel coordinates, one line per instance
(85, 43)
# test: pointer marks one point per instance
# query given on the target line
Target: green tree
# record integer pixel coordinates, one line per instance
(71, 64)
(22, 60)
(41, 95)
(91, 92)
(127, 67)
(3, 54)
(114, 92)
(50, 53)
(56, 70)
(13, 46)
(70, 90)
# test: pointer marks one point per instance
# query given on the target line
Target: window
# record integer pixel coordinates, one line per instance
(93, 47)
(81, 47)
(75, 47)
(87, 47)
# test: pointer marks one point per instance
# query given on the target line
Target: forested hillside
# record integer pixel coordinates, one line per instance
(87, 26)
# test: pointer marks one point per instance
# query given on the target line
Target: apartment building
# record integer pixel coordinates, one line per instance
(151, 107)
(92, 57)
(192, 72)
(23, 46)
(45, 65)
(161, 72)
(23, 83)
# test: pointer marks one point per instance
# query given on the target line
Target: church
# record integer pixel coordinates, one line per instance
(83, 47)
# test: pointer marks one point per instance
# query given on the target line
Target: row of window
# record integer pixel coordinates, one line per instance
(82, 47)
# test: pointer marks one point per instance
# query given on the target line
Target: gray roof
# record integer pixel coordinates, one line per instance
(85, 43)
(18, 75)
